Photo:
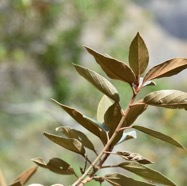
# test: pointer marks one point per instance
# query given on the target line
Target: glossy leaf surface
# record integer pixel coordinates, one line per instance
(72, 133)
(173, 99)
(99, 82)
(113, 68)
(146, 173)
(68, 143)
(138, 55)
(158, 135)
(116, 179)
(166, 69)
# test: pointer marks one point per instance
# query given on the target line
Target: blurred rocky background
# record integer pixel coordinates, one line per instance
(39, 41)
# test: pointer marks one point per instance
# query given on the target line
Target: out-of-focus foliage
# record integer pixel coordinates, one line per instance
(39, 39)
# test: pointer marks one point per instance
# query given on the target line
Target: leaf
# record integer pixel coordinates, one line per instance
(112, 118)
(113, 68)
(166, 69)
(159, 135)
(59, 166)
(17, 183)
(138, 55)
(118, 180)
(40, 162)
(173, 99)
(90, 124)
(127, 136)
(24, 176)
(72, 133)
(99, 82)
(146, 173)
(56, 165)
(147, 83)
(68, 143)
(129, 156)
(103, 106)
(134, 111)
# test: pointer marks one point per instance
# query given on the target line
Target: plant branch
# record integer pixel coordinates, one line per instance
(85, 178)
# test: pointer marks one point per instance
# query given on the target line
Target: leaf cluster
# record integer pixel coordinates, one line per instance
(115, 124)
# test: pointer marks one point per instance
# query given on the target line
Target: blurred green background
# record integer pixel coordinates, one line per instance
(39, 41)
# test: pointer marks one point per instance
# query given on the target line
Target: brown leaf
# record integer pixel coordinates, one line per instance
(112, 118)
(166, 69)
(138, 55)
(90, 124)
(134, 111)
(72, 133)
(173, 99)
(24, 176)
(146, 173)
(59, 166)
(40, 162)
(116, 179)
(99, 82)
(134, 157)
(159, 135)
(68, 143)
(113, 68)
(17, 183)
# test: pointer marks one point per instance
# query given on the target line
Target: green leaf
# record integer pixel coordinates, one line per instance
(146, 173)
(159, 135)
(90, 124)
(99, 82)
(166, 69)
(134, 111)
(59, 166)
(138, 55)
(103, 106)
(113, 68)
(116, 179)
(56, 165)
(68, 143)
(72, 133)
(24, 176)
(112, 118)
(173, 99)
(129, 156)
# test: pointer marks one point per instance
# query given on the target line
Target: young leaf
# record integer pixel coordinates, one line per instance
(99, 82)
(68, 143)
(59, 166)
(25, 176)
(103, 106)
(90, 124)
(146, 173)
(159, 135)
(129, 156)
(138, 55)
(135, 110)
(72, 133)
(173, 99)
(166, 69)
(116, 179)
(113, 68)
(112, 118)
